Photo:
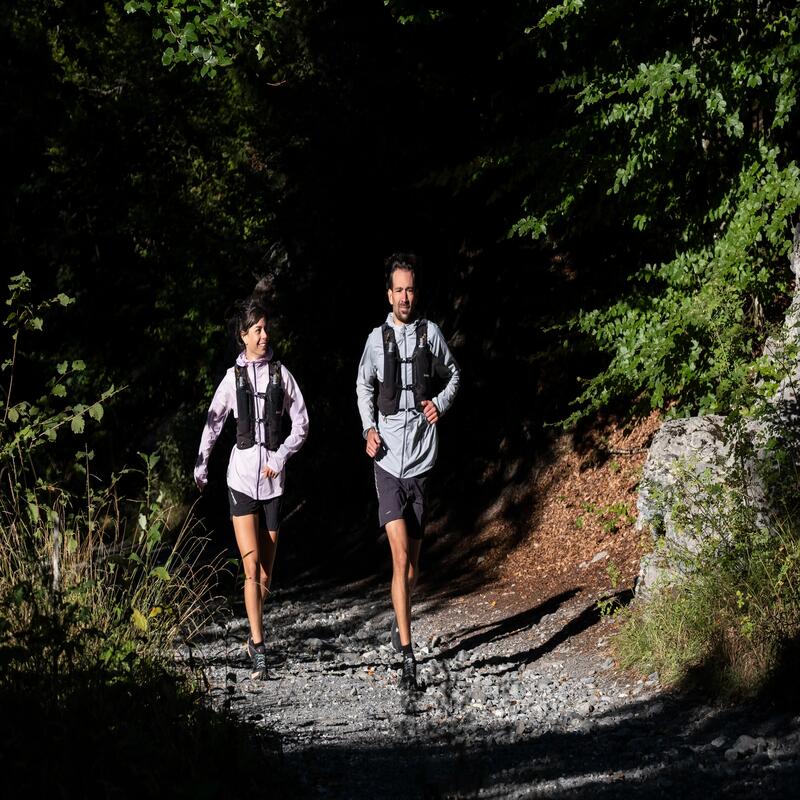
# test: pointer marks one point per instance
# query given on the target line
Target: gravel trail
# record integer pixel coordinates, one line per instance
(512, 707)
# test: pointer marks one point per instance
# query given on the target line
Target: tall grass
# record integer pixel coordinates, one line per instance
(79, 590)
(732, 610)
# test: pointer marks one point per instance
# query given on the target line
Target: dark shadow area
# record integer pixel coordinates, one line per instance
(589, 616)
(648, 749)
(144, 735)
(475, 636)
(783, 686)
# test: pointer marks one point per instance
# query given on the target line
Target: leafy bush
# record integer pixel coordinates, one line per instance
(76, 585)
(731, 609)
(682, 130)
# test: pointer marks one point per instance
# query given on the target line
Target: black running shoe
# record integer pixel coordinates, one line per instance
(258, 655)
(408, 675)
(396, 636)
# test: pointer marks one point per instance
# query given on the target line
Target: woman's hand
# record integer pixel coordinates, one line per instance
(268, 472)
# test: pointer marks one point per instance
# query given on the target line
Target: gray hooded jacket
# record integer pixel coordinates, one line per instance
(409, 443)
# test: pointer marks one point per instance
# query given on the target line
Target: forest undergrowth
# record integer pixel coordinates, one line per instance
(96, 589)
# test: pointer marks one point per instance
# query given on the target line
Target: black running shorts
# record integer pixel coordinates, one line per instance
(402, 498)
(241, 505)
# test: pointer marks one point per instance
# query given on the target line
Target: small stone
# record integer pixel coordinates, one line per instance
(370, 656)
(461, 656)
(745, 745)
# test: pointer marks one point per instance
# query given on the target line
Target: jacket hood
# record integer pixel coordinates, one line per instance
(243, 361)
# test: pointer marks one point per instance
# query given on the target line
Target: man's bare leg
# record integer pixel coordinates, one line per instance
(405, 568)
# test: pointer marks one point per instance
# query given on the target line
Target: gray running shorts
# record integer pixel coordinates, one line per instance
(402, 498)
(241, 505)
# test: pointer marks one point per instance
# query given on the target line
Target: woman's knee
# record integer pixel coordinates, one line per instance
(251, 568)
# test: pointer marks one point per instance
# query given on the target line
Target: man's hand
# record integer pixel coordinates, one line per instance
(373, 442)
(268, 472)
(430, 411)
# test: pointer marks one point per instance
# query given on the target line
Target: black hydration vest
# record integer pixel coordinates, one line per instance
(246, 409)
(421, 370)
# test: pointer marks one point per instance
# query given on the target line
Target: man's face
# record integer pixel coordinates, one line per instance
(402, 295)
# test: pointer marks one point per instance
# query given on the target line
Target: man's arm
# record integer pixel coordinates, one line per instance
(445, 366)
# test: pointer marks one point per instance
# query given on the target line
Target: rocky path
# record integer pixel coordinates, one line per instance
(522, 704)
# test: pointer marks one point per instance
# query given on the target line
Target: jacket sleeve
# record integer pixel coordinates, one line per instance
(446, 367)
(365, 386)
(295, 406)
(222, 404)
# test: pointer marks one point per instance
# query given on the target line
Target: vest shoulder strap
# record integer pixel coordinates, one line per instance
(422, 332)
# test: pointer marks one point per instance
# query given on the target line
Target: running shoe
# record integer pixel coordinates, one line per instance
(408, 675)
(396, 636)
(258, 655)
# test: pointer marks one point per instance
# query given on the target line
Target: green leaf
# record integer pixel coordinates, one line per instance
(139, 620)
(143, 522)
(77, 425)
(78, 365)
(59, 390)
(13, 415)
(161, 573)
(96, 411)
(61, 367)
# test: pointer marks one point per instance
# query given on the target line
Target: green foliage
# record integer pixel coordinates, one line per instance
(609, 607)
(609, 516)
(77, 587)
(682, 128)
(209, 32)
(27, 425)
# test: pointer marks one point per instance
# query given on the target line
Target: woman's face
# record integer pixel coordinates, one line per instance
(255, 340)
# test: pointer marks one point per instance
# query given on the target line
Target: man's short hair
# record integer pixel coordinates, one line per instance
(399, 261)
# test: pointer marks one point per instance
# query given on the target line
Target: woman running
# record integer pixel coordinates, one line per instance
(260, 391)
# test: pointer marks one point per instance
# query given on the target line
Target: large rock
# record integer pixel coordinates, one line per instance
(695, 466)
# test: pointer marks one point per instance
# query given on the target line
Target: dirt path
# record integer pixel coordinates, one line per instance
(526, 704)
(522, 697)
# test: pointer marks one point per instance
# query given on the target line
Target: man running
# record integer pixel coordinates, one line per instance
(417, 379)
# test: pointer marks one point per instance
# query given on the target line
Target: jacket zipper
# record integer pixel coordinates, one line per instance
(403, 377)
(256, 430)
